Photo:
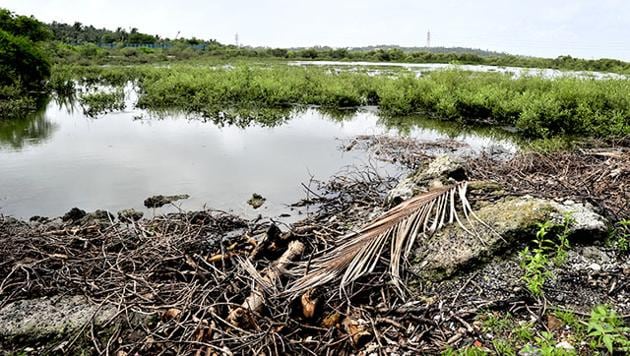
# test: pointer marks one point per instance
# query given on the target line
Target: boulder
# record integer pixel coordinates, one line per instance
(50, 317)
(100, 218)
(510, 222)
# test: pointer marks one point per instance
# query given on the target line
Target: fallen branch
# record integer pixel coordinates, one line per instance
(255, 301)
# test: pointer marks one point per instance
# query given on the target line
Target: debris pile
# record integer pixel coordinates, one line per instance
(598, 176)
(212, 283)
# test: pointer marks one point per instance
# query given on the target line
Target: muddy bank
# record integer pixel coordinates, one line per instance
(170, 283)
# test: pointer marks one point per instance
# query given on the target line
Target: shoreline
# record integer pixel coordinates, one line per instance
(179, 276)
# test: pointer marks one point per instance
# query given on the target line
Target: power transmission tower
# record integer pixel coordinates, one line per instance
(428, 38)
(236, 39)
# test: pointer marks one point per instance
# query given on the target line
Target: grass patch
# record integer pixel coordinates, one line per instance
(619, 237)
(537, 107)
(504, 334)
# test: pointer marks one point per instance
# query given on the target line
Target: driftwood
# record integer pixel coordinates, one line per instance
(255, 301)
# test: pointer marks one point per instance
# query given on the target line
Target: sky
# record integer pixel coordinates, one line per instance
(548, 28)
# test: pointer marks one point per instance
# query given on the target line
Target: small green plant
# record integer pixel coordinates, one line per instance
(619, 238)
(467, 351)
(607, 330)
(571, 320)
(562, 245)
(503, 347)
(536, 262)
(497, 323)
(525, 332)
(545, 344)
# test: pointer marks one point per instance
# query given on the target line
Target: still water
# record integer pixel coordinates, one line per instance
(420, 68)
(59, 159)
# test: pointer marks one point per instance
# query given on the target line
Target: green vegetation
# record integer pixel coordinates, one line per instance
(607, 330)
(536, 263)
(467, 351)
(107, 46)
(205, 85)
(537, 107)
(100, 102)
(23, 64)
(505, 334)
(86, 53)
(86, 45)
(619, 238)
(604, 329)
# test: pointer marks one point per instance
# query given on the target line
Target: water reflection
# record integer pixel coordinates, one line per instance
(406, 125)
(420, 68)
(31, 130)
(118, 160)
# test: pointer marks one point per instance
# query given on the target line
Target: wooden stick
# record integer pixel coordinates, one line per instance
(255, 301)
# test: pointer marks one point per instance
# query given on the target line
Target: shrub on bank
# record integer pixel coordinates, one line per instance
(537, 107)
(24, 67)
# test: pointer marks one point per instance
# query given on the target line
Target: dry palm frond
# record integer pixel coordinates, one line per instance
(398, 228)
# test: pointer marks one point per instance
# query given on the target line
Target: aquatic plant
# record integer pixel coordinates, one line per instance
(536, 107)
(101, 102)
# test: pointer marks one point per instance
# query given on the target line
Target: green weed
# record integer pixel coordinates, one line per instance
(607, 330)
(537, 261)
(619, 237)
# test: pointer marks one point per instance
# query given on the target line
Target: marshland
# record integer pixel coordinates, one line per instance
(184, 196)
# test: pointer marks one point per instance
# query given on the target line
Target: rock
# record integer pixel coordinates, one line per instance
(101, 215)
(592, 253)
(595, 267)
(77, 216)
(514, 221)
(74, 214)
(129, 215)
(437, 172)
(158, 201)
(47, 317)
(256, 201)
(98, 217)
(586, 219)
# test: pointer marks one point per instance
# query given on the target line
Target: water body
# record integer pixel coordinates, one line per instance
(59, 158)
(420, 68)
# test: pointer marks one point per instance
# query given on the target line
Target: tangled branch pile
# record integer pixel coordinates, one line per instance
(174, 281)
(601, 177)
(179, 284)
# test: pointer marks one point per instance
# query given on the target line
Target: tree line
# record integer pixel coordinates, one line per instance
(79, 34)
(24, 62)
